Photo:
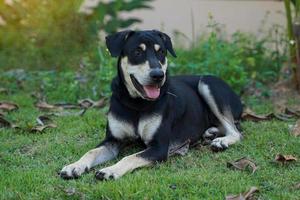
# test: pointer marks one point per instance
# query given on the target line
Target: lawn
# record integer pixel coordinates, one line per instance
(30, 162)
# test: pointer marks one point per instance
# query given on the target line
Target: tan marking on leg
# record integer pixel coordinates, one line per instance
(127, 164)
(90, 159)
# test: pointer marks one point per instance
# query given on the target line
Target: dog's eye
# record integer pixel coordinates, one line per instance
(161, 51)
(138, 51)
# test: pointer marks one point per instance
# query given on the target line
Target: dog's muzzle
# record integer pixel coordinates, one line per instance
(151, 91)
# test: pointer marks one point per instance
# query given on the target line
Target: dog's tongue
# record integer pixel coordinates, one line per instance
(152, 91)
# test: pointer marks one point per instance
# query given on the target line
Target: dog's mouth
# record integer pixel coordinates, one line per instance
(150, 92)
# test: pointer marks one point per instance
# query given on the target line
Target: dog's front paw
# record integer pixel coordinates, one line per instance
(222, 143)
(73, 170)
(107, 174)
(219, 144)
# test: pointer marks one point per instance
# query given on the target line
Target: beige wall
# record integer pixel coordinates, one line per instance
(244, 15)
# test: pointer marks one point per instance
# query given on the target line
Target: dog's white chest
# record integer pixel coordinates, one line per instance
(120, 129)
(146, 127)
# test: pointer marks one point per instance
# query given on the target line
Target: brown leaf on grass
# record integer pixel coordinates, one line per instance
(88, 103)
(248, 195)
(279, 116)
(8, 106)
(46, 106)
(248, 114)
(40, 128)
(285, 158)
(293, 112)
(100, 103)
(242, 164)
(251, 116)
(43, 123)
(295, 130)
(43, 120)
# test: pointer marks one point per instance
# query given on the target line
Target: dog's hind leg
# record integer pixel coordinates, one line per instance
(106, 151)
(222, 110)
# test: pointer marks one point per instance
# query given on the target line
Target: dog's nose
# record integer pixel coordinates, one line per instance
(157, 74)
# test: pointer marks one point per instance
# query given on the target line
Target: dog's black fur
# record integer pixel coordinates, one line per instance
(186, 111)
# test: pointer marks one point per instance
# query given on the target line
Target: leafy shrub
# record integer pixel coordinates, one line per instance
(43, 34)
(239, 60)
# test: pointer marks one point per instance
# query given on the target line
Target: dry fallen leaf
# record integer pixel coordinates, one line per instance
(243, 196)
(100, 103)
(242, 164)
(87, 103)
(251, 116)
(40, 128)
(8, 106)
(295, 130)
(292, 112)
(43, 123)
(46, 106)
(43, 120)
(280, 116)
(285, 158)
(248, 114)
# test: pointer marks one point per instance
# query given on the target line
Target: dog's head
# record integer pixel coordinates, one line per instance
(142, 61)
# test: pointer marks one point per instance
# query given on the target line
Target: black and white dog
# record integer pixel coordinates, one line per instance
(161, 111)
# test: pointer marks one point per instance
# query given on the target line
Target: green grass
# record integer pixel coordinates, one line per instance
(29, 162)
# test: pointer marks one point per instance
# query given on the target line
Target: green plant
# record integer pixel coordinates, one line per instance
(44, 34)
(240, 59)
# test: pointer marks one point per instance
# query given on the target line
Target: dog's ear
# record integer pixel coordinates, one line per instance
(167, 41)
(115, 42)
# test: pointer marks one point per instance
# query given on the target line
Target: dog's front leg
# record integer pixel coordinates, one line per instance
(134, 161)
(106, 151)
